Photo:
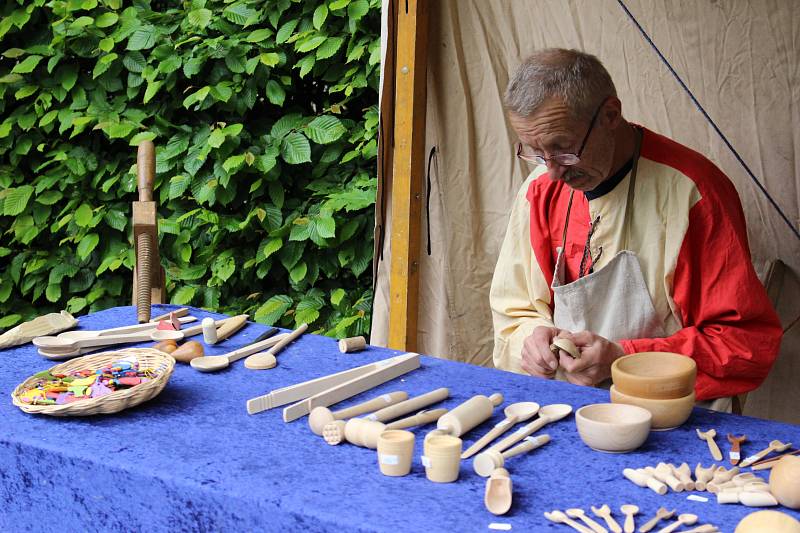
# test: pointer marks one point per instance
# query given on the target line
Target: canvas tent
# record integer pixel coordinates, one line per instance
(448, 172)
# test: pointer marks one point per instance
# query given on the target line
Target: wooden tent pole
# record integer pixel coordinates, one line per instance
(407, 171)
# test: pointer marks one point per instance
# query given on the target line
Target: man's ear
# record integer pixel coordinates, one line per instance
(612, 113)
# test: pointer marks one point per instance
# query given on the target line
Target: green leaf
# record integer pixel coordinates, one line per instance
(67, 76)
(326, 227)
(106, 45)
(295, 149)
(178, 185)
(27, 65)
(240, 14)
(184, 295)
(276, 193)
(200, 17)
(116, 219)
(87, 244)
(103, 64)
(320, 14)
(329, 47)
(325, 129)
(298, 273)
(270, 59)
(285, 31)
(275, 93)
(310, 44)
(76, 304)
(151, 91)
(233, 163)
(258, 35)
(106, 19)
(142, 39)
(83, 215)
(188, 273)
(26, 91)
(223, 267)
(338, 4)
(9, 320)
(271, 246)
(273, 309)
(337, 295)
(16, 200)
(307, 311)
(49, 197)
(357, 9)
(134, 61)
(53, 292)
(305, 65)
(141, 136)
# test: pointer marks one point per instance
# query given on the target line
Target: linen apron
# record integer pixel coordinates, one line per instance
(612, 302)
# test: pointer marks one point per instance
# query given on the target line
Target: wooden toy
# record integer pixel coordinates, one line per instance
(484, 463)
(266, 360)
(560, 518)
(685, 519)
(498, 494)
(703, 476)
(774, 446)
(48, 324)
(136, 328)
(661, 514)
(469, 414)
(409, 406)
(352, 344)
(188, 352)
(168, 346)
(352, 431)
(581, 515)
(148, 274)
(613, 427)
(180, 312)
(309, 388)
(387, 370)
(665, 475)
(784, 481)
(756, 498)
(708, 436)
(231, 326)
(721, 475)
(565, 345)
(55, 344)
(516, 412)
(667, 414)
(419, 419)
(684, 473)
(547, 414)
(642, 478)
(744, 478)
(395, 451)
(736, 448)
(442, 458)
(213, 363)
(320, 416)
(209, 331)
(604, 512)
(654, 375)
(629, 511)
(766, 464)
(772, 521)
(334, 432)
(368, 433)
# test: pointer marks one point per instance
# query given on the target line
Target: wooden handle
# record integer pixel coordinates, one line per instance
(371, 405)
(628, 527)
(714, 449)
(496, 399)
(231, 326)
(498, 430)
(420, 419)
(255, 347)
(520, 434)
(146, 170)
(289, 338)
(178, 313)
(409, 406)
(526, 446)
(198, 329)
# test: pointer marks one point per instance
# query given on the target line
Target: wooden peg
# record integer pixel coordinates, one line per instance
(352, 344)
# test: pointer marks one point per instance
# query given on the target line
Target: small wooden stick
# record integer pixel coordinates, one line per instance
(183, 311)
(774, 446)
(352, 344)
(258, 361)
(773, 459)
(736, 448)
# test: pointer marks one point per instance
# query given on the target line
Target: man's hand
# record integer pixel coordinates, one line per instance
(597, 354)
(537, 359)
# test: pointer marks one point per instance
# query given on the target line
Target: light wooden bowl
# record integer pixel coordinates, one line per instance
(784, 481)
(613, 427)
(667, 414)
(654, 375)
(772, 521)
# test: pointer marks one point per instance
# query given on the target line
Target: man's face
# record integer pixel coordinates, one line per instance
(552, 130)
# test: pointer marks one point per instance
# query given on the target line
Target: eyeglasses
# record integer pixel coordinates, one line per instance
(566, 159)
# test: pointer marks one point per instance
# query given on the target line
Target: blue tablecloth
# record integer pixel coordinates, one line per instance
(193, 459)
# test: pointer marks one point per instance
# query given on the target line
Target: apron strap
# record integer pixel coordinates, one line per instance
(631, 188)
(566, 221)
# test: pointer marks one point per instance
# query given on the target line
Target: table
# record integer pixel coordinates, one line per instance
(193, 459)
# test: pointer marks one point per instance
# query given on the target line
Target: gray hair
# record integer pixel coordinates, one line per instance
(577, 78)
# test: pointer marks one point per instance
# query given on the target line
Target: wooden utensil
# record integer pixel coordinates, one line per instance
(230, 327)
(604, 512)
(581, 515)
(766, 464)
(53, 344)
(320, 416)
(188, 352)
(484, 463)
(547, 414)
(565, 345)
(629, 511)
(419, 419)
(178, 313)
(685, 519)
(498, 494)
(213, 363)
(516, 412)
(560, 518)
(266, 360)
(136, 328)
(661, 514)
(703, 476)
(643, 478)
(708, 436)
(736, 448)
(774, 446)
(410, 405)
(469, 414)
(684, 473)
(705, 528)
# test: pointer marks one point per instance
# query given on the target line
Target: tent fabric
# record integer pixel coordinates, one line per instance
(740, 59)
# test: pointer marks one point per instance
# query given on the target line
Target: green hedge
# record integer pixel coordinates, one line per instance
(264, 115)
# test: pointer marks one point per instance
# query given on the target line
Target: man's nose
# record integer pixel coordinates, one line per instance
(555, 170)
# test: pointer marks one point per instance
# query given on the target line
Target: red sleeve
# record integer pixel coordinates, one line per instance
(730, 328)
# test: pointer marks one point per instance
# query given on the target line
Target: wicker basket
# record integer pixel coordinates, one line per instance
(161, 363)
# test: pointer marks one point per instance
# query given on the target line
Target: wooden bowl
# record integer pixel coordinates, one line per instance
(771, 521)
(654, 375)
(613, 427)
(784, 481)
(667, 414)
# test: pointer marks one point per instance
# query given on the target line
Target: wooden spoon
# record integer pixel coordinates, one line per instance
(56, 344)
(661, 514)
(604, 512)
(547, 414)
(136, 328)
(683, 519)
(774, 446)
(560, 518)
(708, 436)
(581, 514)
(498, 495)
(736, 447)
(266, 360)
(629, 511)
(516, 412)
(213, 363)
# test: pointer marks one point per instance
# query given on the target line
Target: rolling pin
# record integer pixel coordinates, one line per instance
(409, 406)
(469, 414)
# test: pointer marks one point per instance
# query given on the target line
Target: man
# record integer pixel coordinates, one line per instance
(622, 241)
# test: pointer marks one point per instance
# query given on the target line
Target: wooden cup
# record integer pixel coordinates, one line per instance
(442, 458)
(395, 451)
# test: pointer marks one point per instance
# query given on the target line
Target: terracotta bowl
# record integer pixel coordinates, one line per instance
(654, 375)
(613, 427)
(667, 414)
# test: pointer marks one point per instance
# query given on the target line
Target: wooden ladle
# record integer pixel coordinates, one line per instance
(213, 363)
(547, 414)
(774, 446)
(560, 518)
(708, 436)
(685, 519)
(581, 515)
(629, 511)
(516, 412)
(498, 495)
